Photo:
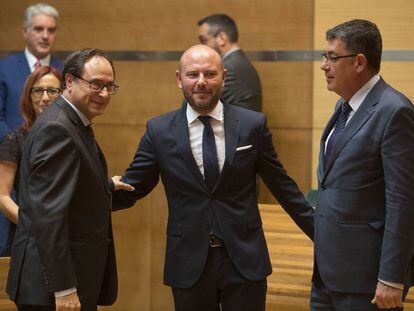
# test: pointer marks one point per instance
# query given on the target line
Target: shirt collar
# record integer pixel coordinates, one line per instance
(217, 113)
(359, 96)
(231, 51)
(84, 119)
(31, 59)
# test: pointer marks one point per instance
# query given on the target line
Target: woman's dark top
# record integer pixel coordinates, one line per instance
(11, 151)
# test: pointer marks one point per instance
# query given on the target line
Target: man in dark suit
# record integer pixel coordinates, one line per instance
(242, 87)
(39, 32)
(63, 254)
(364, 231)
(208, 155)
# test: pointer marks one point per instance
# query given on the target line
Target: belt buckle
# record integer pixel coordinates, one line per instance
(215, 241)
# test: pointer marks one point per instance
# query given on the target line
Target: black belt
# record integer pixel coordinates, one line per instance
(215, 241)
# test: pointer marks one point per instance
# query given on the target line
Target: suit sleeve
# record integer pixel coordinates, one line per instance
(54, 163)
(229, 93)
(283, 188)
(4, 128)
(397, 152)
(142, 173)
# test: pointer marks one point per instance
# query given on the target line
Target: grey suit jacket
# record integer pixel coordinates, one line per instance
(242, 86)
(64, 235)
(365, 212)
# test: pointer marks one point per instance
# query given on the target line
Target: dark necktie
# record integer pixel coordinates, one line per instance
(339, 128)
(91, 138)
(210, 162)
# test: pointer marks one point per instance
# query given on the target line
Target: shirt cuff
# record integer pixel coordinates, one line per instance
(65, 292)
(395, 285)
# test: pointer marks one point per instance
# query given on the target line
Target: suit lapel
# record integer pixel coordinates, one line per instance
(97, 160)
(231, 132)
(23, 66)
(357, 121)
(183, 142)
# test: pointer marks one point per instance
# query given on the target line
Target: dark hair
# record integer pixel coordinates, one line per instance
(26, 104)
(360, 36)
(221, 23)
(75, 62)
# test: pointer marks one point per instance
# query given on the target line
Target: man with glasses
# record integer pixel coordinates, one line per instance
(63, 254)
(364, 231)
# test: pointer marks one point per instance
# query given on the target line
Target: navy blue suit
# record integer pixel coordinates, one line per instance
(364, 217)
(165, 151)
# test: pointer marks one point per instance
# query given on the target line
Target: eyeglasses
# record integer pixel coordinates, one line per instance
(52, 92)
(97, 85)
(332, 59)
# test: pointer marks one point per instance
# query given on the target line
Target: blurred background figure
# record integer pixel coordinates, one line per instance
(242, 86)
(39, 33)
(41, 88)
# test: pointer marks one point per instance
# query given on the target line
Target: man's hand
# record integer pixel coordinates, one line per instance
(387, 297)
(68, 303)
(119, 185)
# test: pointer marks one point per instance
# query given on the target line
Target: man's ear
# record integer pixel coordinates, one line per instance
(222, 39)
(68, 82)
(178, 78)
(361, 62)
(224, 76)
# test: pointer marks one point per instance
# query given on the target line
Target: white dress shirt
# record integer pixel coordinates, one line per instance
(196, 128)
(31, 60)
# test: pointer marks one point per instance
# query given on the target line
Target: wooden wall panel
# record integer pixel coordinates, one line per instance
(393, 18)
(165, 24)
(294, 149)
(287, 93)
(147, 89)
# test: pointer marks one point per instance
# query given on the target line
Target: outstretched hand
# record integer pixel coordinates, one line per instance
(119, 185)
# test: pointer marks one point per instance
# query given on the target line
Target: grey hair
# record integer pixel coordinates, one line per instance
(39, 8)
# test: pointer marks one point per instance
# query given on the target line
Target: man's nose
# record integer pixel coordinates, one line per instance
(201, 82)
(324, 65)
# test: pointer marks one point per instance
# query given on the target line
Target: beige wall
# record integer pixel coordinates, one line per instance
(296, 101)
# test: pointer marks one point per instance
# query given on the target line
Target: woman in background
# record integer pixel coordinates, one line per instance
(41, 88)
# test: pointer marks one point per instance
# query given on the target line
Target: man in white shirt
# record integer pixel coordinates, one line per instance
(364, 217)
(207, 155)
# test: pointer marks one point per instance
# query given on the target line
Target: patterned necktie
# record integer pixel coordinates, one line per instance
(210, 162)
(37, 65)
(339, 127)
(91, 138)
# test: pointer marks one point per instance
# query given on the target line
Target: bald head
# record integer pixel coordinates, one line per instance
(201, 77)
(200, 52)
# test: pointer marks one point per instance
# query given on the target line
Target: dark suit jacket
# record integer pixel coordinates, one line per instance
(365, 213)
(242, 86)
(165, 150)
(64, 235)
(14, 71)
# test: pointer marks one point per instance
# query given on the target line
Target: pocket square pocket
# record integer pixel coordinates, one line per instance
(244, 147)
